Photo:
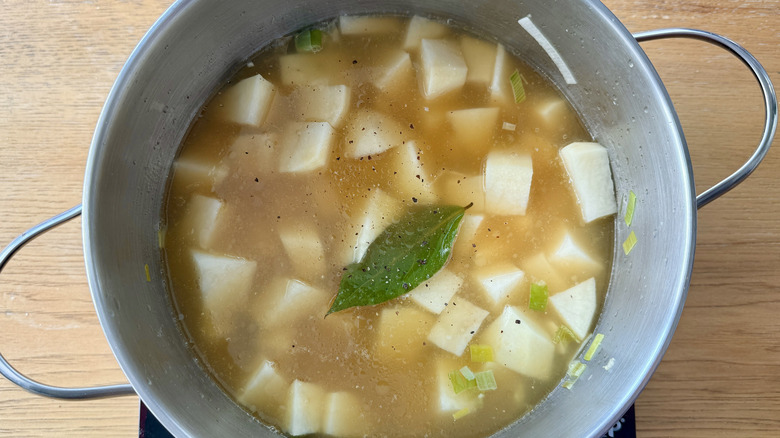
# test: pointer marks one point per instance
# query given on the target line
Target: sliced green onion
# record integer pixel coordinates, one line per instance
(564, 335)
(506, 126)
(486, 381)
(309, 41)
(593, 346)
(460, 383)
(161, 238)
(481, 353)
(630, 243)
(467, 373)
(629, 217)
(539, 294)
(460, 414)
(576, 368)
(568, 384)
(517, 86)
(146, 269)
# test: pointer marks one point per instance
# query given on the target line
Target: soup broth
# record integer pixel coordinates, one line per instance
(309, 152)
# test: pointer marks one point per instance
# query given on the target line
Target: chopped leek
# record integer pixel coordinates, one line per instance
(309, 41)
(517, 86)
(486, 381)
(576, 368)
(629, 217)
(568, 384)
(539, 294)
(564, 335)
(481, 353)
(506, 126)
(161, 238)
(594, 346)
(460, 383)
(460, 414)
(146, 269)
(629, 243)
(467, 373)
(609, 364)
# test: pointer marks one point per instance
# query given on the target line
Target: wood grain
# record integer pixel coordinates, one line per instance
(58, 60)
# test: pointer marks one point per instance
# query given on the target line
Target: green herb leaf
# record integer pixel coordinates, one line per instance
(406, 254)
(309, 41)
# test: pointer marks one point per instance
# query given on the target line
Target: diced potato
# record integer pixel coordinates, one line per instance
(379, 211)
(299, 69)
(552, 111)
(480, 57)
(394, 71)
(519, 344)
(371, 133)
(289, 300)
(410, 178)
(266, 392)
(539, 269)
(456, 326)
(201, 219)
(247, 102)
(568, 254)
(508, 178)
(304, 408)
(191, 173)
(322, 103)
(344, 416)
(468, 231)
(499, 281)
(401, 333)
(420, 28)
(435, 293)
(588, 167)
(255, 152)
(365, 25)
(223, 280)
(576, 306)
(448, 401)
(442, 68)
(500, 88)
(306, 146)
(460, 189)
(473, 128)
(304, 249)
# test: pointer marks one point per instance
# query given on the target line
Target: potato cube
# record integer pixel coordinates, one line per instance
(500, 89)
(456, 326)
(366, 25)
(588, 167)
(552, 111)
(191, 172)
(379, 211)
(306, 146)
(304, 249)
(442, 68)
(304, 408)
(435, 293)
(460, 189)
(519, 344)
(297, 69)
(467, 234)
(569, 254)
(473, 128)
(201, 219)
(394, 71)
(371, 133)
(508, 178)
(344, 416)
(410, 178)
(290, 300)
(223, 280)
(448, 401)
(420, 28)
(266, 391)
(254, 152)
(499, 281)
(322, 103)
(577, 306)
(480, 57)
(247, 102)
(401, 333)
(539, 269)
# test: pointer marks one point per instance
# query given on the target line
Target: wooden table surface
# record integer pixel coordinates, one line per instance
(58, 60)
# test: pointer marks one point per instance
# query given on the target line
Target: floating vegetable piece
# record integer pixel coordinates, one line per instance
(629, 243)
(538, 299)
(309, 41)
(517, 86)
(467, 373)
(564, 335)
(460, 383)
(594, 346)
(486, 381)
(407, 253)
(481, 353)
(629, 217)
(460, 414)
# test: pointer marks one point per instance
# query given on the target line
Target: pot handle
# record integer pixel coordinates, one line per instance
(768, 91)
(20, 379)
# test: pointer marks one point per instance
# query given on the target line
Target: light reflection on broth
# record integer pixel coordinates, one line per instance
(255, 246)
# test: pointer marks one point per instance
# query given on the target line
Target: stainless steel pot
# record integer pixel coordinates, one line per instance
(196, 45)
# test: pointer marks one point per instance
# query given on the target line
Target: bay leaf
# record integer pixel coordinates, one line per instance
(404, 255)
